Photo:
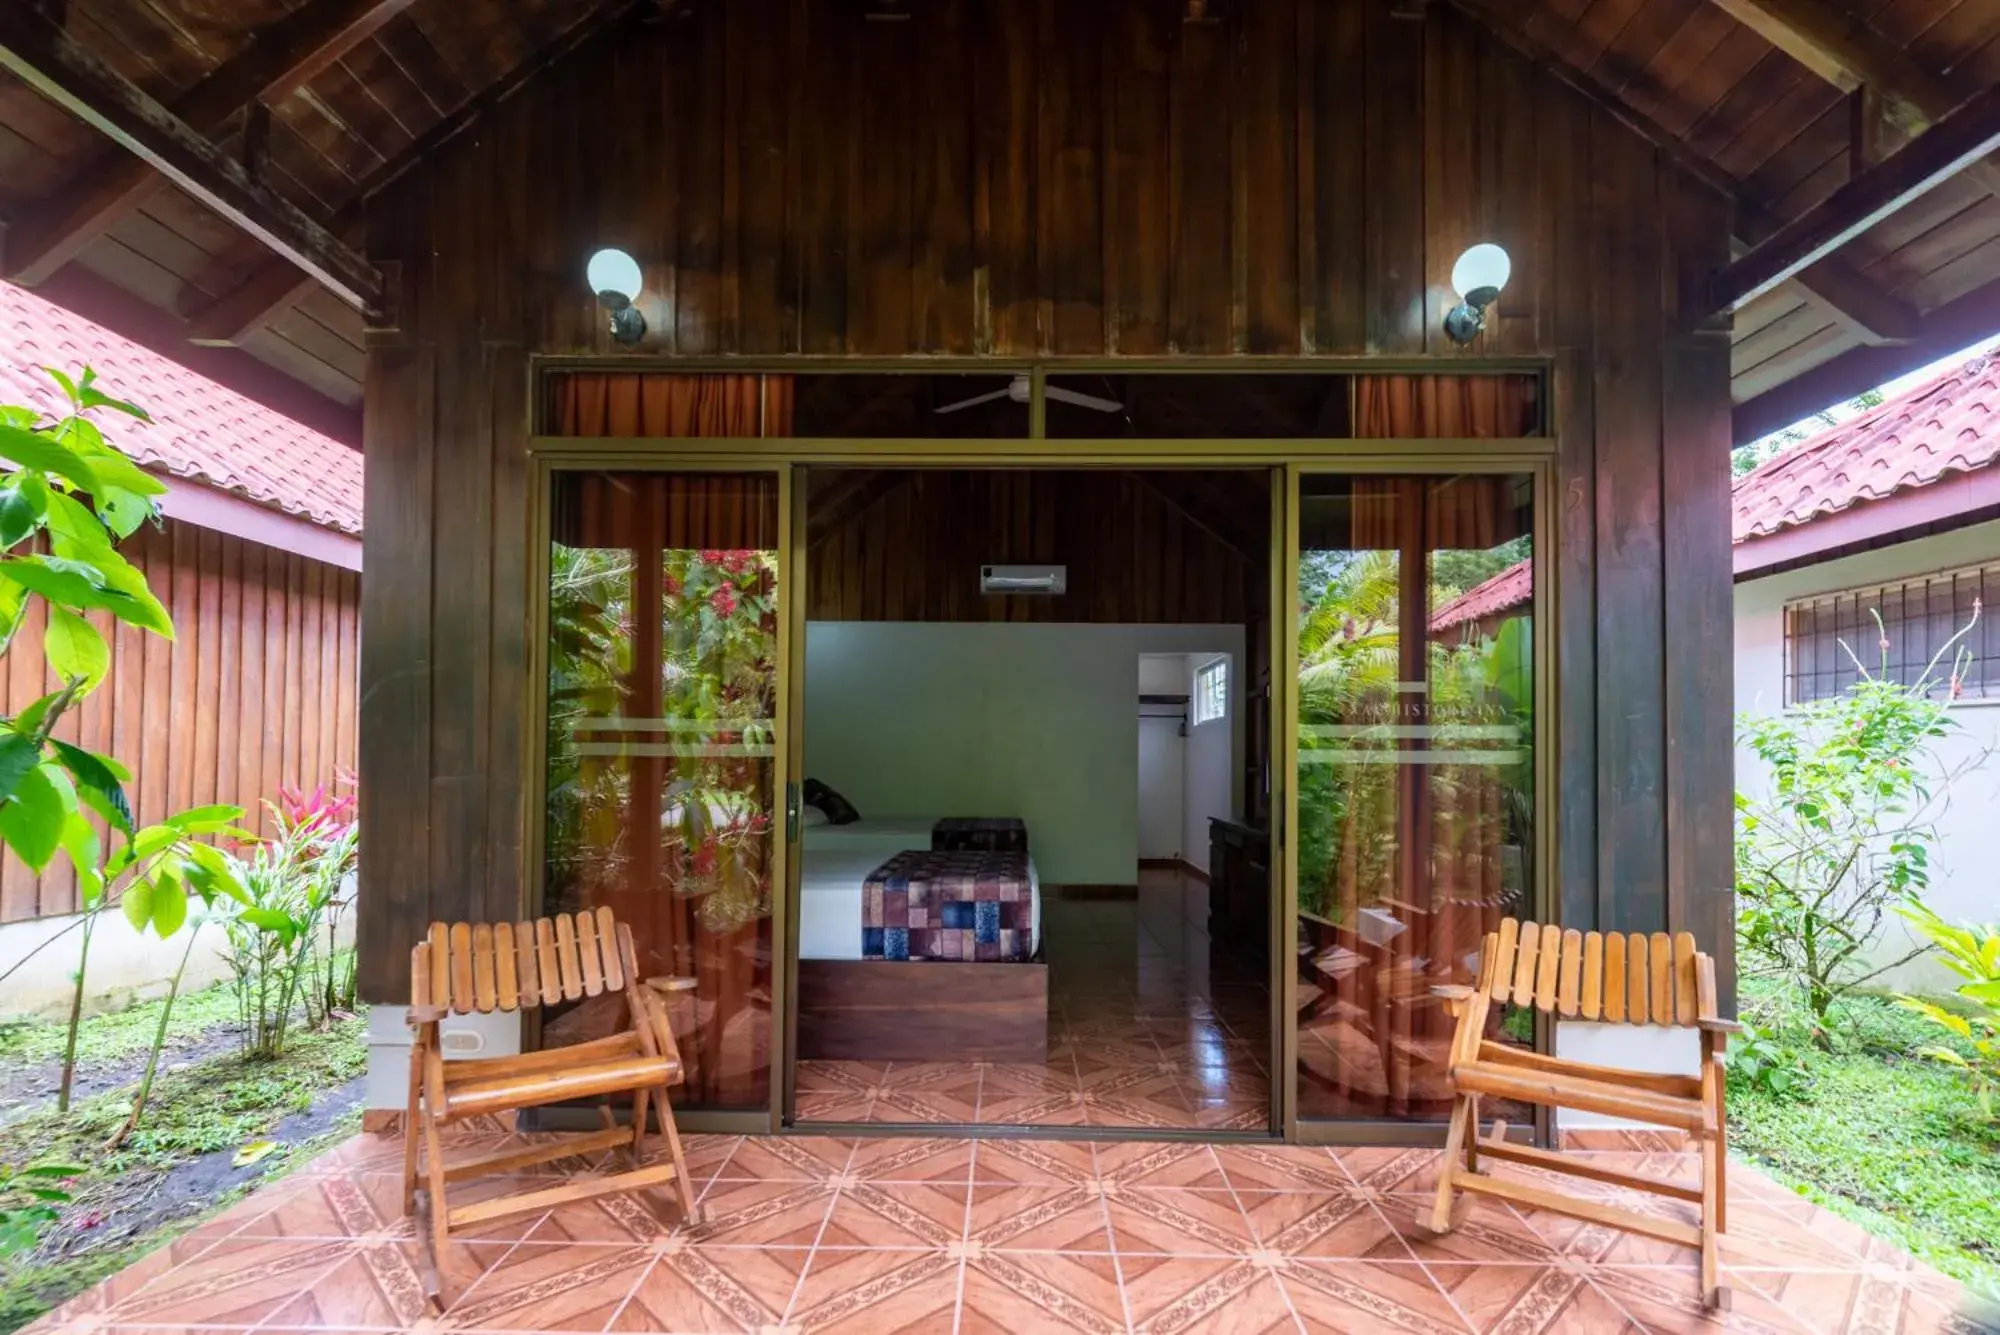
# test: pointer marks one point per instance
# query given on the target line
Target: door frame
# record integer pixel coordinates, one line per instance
(1539, 466)
(1287, 461)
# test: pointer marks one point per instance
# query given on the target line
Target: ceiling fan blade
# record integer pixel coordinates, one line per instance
(972, 402)
(1062, 395)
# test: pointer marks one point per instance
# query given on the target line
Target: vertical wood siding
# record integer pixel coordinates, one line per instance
(258, 688)
(1041, 179)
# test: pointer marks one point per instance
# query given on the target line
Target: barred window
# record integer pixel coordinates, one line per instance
(1211, 692)
(1918, 617)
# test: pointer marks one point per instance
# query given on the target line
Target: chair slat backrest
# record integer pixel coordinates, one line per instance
(1620, 978)
(467, 967)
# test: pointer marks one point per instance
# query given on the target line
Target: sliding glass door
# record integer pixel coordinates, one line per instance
(1413, 772)
(664, 759)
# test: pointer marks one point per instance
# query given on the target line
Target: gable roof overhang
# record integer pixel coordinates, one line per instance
(1853, 139)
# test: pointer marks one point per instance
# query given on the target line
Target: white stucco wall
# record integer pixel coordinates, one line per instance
(1965, 870)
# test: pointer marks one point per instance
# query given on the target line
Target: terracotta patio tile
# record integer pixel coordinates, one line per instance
(235, 1284)
(691, 1288)
(900, 1215)
(768, 1214)
(787, 1159)
(1529, 1299)
(1483, 1230)
(1014, 1293)
(834, 1107)
(377, 1287)
(1281, 1168)
(902, 1159)
(1664, 1300)
(120, 1287)
(1178, 1223)
(551, 1288)
(1038, 1218)
(1363, 1299)
(1877, 1299)
(1331, 1226)
(1166, 1293)
(1033, 1161)
(1174, 1164)
(877, 1293)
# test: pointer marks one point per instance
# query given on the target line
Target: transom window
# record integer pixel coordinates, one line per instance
(1211, 692)
(1824, 636)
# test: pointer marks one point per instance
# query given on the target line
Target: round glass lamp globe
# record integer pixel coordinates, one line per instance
(615, 271)
(1483, 266)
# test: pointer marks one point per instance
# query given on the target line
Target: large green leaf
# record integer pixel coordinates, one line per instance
(22, 502)
(32, 820)
(100, 783)
(79, 841)
(111, 468)
(29, 720)
(169, 901)
(137, 901)
(18, 755)
(75, 649)
(32, 449)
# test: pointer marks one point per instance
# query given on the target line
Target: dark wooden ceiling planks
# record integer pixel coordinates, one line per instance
(1102, 86)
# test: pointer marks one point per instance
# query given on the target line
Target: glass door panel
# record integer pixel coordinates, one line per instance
(1414, 776)
(663, 776)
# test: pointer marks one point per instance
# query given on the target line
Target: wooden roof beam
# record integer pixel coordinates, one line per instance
(1847, 53)
(1853, 297)
(1956, 142)
(62, 70)
(1956, 324)
(282, 58)
(254, 299)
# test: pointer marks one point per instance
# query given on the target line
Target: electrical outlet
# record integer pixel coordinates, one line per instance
(462, 1041)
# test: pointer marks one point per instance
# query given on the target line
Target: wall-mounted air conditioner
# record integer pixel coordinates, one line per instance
(1024, 579)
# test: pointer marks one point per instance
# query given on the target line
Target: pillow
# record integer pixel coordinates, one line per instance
(839, 811)
(811, 817)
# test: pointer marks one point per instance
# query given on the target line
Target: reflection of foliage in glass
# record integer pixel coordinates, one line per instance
(718, 644)
(1348, 667)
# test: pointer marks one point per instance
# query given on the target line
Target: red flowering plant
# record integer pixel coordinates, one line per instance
(1838, 833)
(285, 940)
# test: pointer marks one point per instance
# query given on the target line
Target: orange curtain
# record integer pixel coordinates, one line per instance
(1434, 407)
(645, 403)
(663, 799)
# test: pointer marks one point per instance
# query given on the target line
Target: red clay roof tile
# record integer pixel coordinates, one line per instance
(200, 431)
(1947, 425)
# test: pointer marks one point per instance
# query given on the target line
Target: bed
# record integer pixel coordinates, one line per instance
(852, 1007)
(836, 863)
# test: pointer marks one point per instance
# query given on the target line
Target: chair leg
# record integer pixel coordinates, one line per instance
(689, 1209)
(639, 1103)
(1448, 1163)
(1713, 1295)
(410, 1115)
(1472, 1134)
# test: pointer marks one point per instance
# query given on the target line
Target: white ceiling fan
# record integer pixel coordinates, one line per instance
(1017, 390)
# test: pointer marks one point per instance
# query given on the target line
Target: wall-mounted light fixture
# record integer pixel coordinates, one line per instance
(615, 278)
(1477, 278)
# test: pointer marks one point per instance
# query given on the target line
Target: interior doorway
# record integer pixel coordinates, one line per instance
(1003, 900)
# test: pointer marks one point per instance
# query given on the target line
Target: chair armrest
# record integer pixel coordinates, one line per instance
(420, 1015)
(1453, 995)
(1719, 1026)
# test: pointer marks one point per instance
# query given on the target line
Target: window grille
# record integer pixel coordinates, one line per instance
(1918, 617)
(1211, 691)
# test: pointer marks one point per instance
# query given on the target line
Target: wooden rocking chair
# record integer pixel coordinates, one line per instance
(1604, 977)
(465, 967)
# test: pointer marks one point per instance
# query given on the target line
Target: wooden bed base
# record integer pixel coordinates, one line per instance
(877, 1010)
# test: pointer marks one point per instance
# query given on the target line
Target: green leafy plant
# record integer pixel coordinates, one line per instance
(29, 1198)
(1973, 953)
(1842, 834)
(1764, 1059)
(69, 501)
(292, 884)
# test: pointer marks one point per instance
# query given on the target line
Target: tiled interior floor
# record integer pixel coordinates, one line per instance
(1147, 1028)
(891, 1235)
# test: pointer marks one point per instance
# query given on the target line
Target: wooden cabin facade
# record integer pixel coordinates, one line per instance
(815, 188)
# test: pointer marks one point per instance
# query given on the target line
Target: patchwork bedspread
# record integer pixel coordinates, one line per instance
(923, 904)
(989, 834)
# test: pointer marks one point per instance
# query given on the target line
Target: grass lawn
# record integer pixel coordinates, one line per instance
(1886, 1138)
(178, 1167)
